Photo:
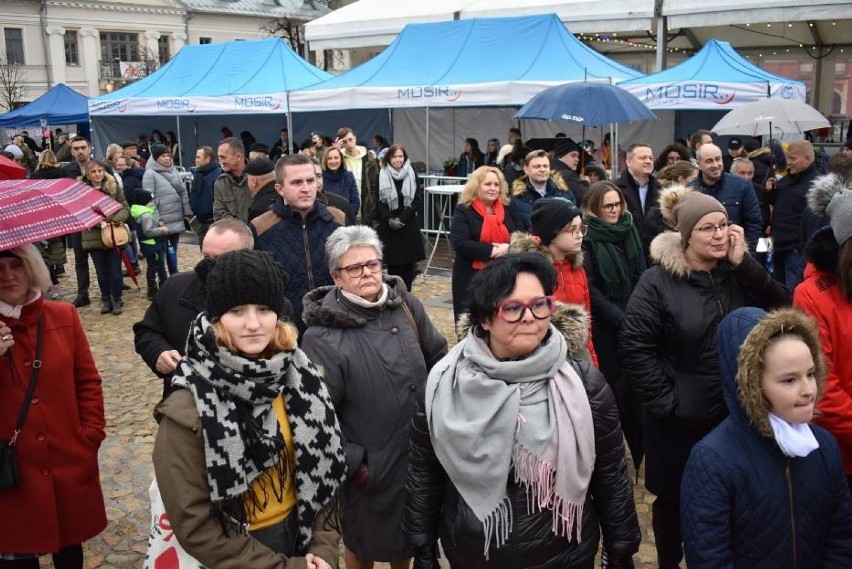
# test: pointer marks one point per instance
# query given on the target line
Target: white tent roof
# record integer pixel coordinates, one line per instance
(369, 23)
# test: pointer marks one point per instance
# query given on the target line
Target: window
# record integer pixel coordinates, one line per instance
(116, 47)
(14, 45)
(205, 41)
(163, 49)
(72, 56)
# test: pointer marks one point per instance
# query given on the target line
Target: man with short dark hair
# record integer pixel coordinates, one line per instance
(295, 229)
(640, 188)
(63, 149)
(698, 138)
(536, 183)
(231, 198)
(204, 177)
(514, 134)
(734, 193)
(80, 154)
(789, 201)
(281, 147)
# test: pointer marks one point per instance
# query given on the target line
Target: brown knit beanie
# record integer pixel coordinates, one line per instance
(690, 209)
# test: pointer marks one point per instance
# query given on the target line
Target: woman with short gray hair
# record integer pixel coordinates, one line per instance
(375, 345)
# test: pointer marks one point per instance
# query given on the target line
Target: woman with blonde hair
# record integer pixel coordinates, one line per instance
(482, 223)
(248, 455)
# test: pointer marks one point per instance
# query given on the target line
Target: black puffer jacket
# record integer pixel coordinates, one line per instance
(436, 510)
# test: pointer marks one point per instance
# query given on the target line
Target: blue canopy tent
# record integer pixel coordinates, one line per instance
(477, 63)
(715, 79)
(59, 105)
(238, 84)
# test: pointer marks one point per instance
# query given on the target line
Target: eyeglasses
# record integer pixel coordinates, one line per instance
(611, 207)
(576, 231)
(357, 269)
(512, 311)
(711, 229)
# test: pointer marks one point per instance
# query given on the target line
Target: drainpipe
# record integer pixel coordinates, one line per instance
(45, 44)
(187, 17)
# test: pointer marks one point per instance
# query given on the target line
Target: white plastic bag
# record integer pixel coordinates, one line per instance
(164, 551)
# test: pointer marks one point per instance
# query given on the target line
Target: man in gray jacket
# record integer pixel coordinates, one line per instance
(231, 196)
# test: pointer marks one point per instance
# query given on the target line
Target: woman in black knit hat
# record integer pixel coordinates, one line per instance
(248, 455)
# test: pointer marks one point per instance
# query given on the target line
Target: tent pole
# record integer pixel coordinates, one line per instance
(613, 151)
(290, 126)
(428, 164)
(180, 144)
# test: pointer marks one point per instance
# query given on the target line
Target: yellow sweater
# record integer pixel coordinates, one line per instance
(275, 511)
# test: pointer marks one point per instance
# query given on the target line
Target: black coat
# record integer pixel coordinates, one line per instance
(401, 246)
(634, 205)
(262, 200)
(790, 206)
(464, 235)
(435, 509)
(668, 349)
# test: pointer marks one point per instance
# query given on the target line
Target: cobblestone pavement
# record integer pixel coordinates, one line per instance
(131, 391)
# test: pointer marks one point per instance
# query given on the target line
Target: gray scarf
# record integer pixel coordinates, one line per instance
(387, 188)
(487, 416)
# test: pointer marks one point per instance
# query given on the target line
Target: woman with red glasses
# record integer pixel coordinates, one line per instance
(517, 457)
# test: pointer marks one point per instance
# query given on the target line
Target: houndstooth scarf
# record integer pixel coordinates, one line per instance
(242, 439)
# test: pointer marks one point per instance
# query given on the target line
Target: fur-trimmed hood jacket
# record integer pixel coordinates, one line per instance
(744, 503)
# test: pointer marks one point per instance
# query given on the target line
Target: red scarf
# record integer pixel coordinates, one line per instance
(493, 228)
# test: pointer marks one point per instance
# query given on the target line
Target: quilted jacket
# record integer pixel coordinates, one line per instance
(744, 504)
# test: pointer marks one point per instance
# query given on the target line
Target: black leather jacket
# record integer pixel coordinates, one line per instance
(435, 509)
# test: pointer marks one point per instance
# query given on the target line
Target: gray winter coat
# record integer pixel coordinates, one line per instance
(375, 369)
(170, 195)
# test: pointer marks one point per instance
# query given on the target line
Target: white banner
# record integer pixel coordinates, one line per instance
(267, 103)
(132, 69)
(711, 95)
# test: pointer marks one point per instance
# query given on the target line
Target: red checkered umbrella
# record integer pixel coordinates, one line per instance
(33, 210)
(11, 170)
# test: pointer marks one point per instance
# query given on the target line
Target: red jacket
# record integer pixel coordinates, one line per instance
(59, 501)
(572, 287)
(819, 295)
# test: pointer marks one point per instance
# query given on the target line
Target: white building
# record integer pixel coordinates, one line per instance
(98, 45)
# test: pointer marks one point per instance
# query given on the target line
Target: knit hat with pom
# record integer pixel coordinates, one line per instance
(242, 277)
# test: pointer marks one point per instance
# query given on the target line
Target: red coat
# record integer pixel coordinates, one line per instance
(59, 501)
(572, 287)
(819, 295)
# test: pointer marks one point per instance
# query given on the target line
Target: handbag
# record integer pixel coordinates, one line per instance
(10, 475)
(115, 235)
(164, 551)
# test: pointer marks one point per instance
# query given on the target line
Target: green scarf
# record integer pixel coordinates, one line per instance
(609, 242)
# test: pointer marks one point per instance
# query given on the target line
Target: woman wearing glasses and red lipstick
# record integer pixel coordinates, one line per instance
(517, 458)
(375, 345)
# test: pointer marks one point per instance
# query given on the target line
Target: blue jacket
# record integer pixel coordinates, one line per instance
(740, 201)
(744, 504)
(523, 195)
(299, 245)
(201, 195)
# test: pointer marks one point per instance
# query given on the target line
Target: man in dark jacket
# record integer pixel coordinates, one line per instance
(260, 181)
(206, 173)
(160, 337)
(736, 194)
(790, 210)
(80, 156)
(566, 161)
(640, 188)
(538, 182)
(295, 229)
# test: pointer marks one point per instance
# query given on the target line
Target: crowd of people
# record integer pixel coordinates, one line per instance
(601, 324)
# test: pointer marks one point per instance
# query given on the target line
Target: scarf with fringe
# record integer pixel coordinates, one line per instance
(387, 187)
(530, 417)
(242, 438)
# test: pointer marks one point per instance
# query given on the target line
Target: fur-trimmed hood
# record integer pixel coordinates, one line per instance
(668, 252)
(823, 188)
(322, 306)
(742, 338)
(520, 185)
(571, 320)
(525, 243)
(760, 153)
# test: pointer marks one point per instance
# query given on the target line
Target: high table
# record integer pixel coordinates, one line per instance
(439, 200)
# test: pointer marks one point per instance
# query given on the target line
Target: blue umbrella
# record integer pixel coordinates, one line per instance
(586, 104)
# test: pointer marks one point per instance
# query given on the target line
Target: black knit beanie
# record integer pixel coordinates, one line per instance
(242, 277)
(157, 150)
(550, 215)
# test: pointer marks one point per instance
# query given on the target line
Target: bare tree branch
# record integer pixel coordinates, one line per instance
(11, 83)
(289, 29)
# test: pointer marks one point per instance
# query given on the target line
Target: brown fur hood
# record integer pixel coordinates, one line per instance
(520, 185)
(525, 243)
(571, 320)
(668, 252)
(743, 337)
